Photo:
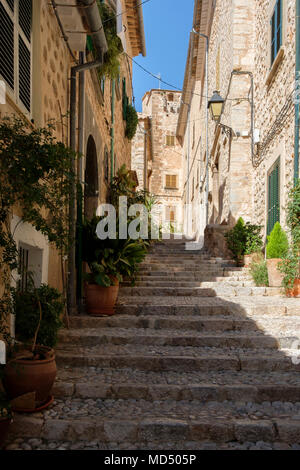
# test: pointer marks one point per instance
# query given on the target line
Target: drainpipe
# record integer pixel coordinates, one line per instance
(297, 90)
(72, 204)
(80, 191)
(96, 31)
(112, 131)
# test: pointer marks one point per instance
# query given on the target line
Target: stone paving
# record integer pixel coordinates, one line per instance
(177, 372)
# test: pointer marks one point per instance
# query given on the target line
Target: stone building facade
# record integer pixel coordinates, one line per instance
(243, 147)
(42, 94)
(156, 155)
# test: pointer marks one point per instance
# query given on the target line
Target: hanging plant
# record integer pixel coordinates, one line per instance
(111, 64)
(131, 122)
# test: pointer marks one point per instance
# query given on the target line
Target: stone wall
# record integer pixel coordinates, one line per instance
(51, 65)
(270, 98)
(162, 107)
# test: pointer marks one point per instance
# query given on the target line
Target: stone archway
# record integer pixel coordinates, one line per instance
(91, 178)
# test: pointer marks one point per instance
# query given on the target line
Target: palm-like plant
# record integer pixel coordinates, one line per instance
(110, 259)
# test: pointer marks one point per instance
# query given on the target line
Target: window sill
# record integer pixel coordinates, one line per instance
(171, 189)
(275, 65)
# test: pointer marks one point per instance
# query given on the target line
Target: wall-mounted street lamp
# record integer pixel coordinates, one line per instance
(215, 105)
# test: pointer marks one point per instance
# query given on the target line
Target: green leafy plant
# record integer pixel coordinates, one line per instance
(278, 244)
(254, 241)
(110, 259)
(111, 63)
(259, 272)
(37, 176)
(131, 122)
(38, 315)
(244, 239)
(290, 266)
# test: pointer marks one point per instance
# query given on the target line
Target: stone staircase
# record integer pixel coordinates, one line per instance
(196, 358)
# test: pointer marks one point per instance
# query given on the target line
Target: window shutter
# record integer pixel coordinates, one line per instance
(11, 4)
(25, 15)
(24, 74)
(7, 47)
(171, 181)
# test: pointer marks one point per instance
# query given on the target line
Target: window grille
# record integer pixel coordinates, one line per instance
(273, 197)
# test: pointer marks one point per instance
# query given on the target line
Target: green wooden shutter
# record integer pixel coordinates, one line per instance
(273, 198)
(125, 100)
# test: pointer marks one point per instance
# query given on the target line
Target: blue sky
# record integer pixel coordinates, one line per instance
(167, 27)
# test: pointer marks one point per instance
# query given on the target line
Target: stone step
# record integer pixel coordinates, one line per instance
(227, 291)
(114, 384)
(279, 324)
(152, 337)
(186, 276)
(145, 422)
(206, 392)
(209, 269)
(171, 283)
(241, 307)
(178, 358)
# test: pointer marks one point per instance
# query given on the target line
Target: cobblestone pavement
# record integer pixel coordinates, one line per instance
(195, 358)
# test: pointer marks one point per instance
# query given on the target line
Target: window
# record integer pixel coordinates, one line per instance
(15, 48)
(273, 197)
(170, 140)
(30, 266)
(276, 30)
(170, 97)
(171, 182)
(170, 214)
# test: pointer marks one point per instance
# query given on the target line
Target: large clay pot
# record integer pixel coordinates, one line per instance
(4, 426)
(101, 300)
(275, 276)
(295, 292)
(23, 376)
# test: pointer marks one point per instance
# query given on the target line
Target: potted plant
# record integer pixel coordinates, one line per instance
(108, 262)
(37, 177)
(244, 240)
(290, 266)
(5, 417)
(31, 369)
(277, 249)
(254, 244)
(259, 271)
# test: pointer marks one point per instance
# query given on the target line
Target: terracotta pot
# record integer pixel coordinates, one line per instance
(295, 292)
(23, 376)
(275, 276)
(101, 300)
(4, 426)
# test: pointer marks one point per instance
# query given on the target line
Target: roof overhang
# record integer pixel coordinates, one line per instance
(135, 26)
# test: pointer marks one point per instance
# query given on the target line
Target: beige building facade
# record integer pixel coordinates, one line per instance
(251, 63)
(156, 155)
(35, 70)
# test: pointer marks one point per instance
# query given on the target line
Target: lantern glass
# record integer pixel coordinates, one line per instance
(216, 106)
